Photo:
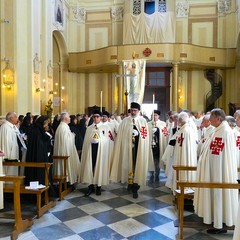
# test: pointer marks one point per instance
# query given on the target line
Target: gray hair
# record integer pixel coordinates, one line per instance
(218, 112)
(207, 116)
(10, 115)
(237, 113)
(63, 115)
(183, 116)
(231, 121)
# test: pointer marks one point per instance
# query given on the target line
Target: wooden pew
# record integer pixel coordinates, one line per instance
(20, 223)
(62, 179)
(183, 185)
(178, 169)
(181, 196)
(41, 208)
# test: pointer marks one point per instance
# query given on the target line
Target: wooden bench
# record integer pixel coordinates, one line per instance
(182, 185)
(20, 223)
(62, 179)
(41, 207)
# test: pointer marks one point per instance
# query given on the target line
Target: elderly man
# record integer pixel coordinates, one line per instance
(131, 153)
(185, 153)
(237, 118)
(158, 136)
(9, 143)
(217, 163)
(64, 145)
(96, 154)
(207, 131)
(1, 183)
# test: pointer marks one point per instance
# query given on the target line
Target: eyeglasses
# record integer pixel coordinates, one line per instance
(96, 116)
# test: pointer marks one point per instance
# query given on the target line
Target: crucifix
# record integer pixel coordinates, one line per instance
(124, 76)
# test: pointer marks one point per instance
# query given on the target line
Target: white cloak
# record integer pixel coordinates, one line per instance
(104, 154)
(64, 145)
(207, 132)
(163, 137)
(217, 163)
(185, 153)
(168, 159)
(1, 186)
(9, 145)
(122, 157)
(236, 234)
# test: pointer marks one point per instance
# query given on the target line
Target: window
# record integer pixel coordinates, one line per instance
(136, 7)
(149, 6)
(162, 6)
(156, 79)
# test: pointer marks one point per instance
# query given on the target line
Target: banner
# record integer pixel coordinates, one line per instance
(134, 79)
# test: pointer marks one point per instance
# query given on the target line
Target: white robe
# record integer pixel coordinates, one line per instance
(185, 153)
(1, 185)
(104, 155)
(122, 159)
(112, 135)
(163, 137)
(9, 145)
(217, 163)
(207, 132)
(64, 145)
(169, 160)
(236, 234)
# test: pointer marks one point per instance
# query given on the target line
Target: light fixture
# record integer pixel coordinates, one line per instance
(7, 75)
(40, 90)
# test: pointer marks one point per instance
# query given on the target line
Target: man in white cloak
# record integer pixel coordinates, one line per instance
(217, 163)
(207, 131)
(8, 142)
(64, 145)
(167, 157)
(106, 120)
(131, 151)
(1, 182)
(185, 152)
(96, 154)
(158, 136)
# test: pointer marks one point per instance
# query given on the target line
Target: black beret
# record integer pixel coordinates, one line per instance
(135, 105)
(97, 112)
(157, 112)
(106, 113)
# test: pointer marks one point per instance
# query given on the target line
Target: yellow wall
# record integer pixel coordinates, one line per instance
(31, 28)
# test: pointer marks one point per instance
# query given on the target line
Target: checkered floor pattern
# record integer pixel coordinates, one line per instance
(113, 215)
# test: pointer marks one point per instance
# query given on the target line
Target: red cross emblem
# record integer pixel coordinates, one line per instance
(110, 135)
(165, 131)
(180, 140)
(143, 132)
(147, 52)
(238, 142)
(216, 146)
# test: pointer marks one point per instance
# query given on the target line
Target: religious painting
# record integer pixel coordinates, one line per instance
(59, 14)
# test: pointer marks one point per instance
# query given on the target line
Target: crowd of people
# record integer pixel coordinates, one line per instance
(104, 148)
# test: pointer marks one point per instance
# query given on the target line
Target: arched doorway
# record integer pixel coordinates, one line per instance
(60, 70)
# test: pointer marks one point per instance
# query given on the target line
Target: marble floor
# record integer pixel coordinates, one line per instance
(113, 215)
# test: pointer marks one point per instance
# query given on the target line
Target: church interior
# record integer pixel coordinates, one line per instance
(195, 49)
(68, 56)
